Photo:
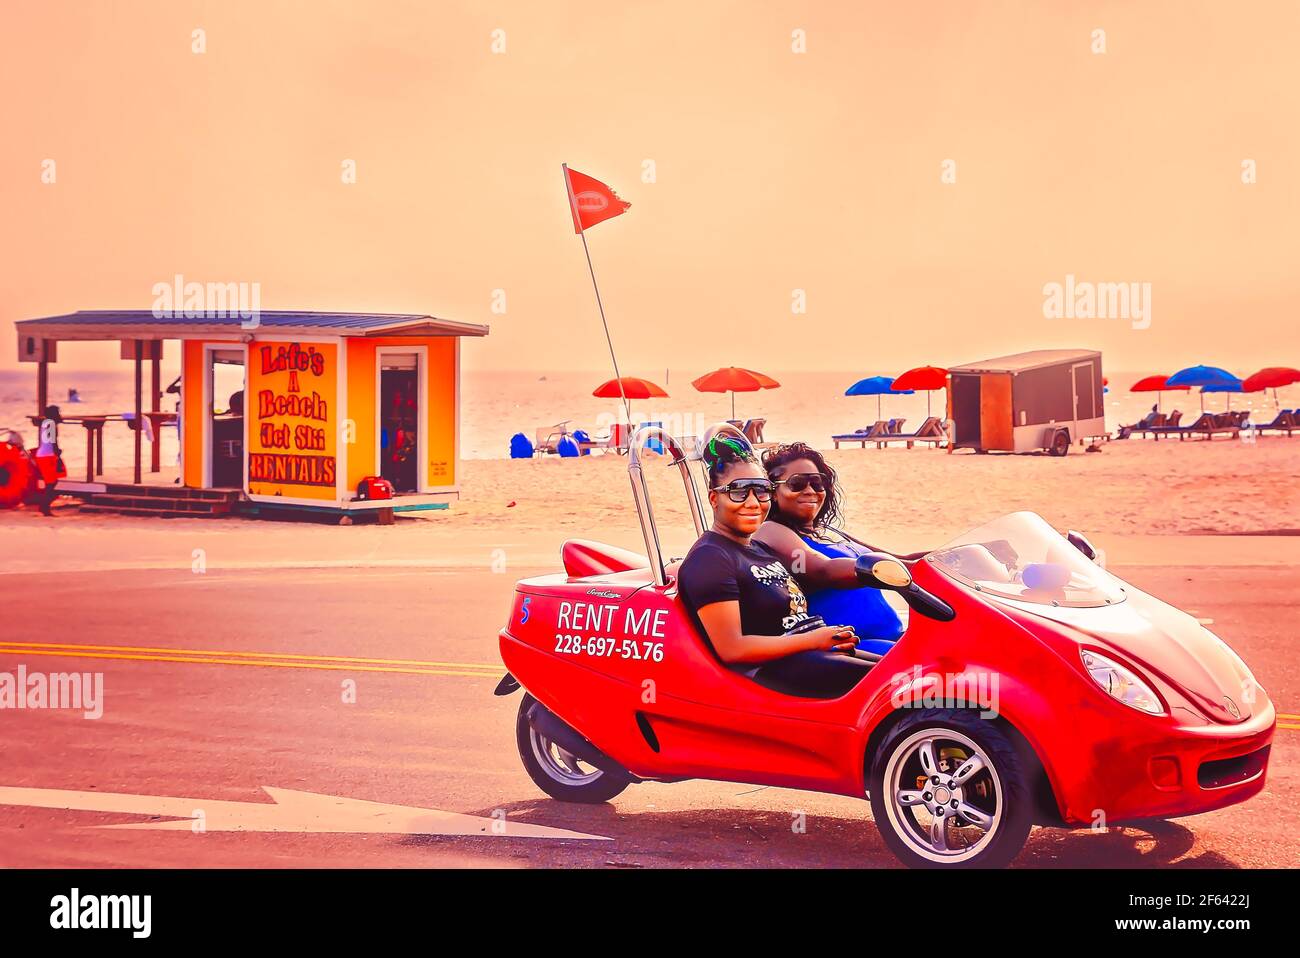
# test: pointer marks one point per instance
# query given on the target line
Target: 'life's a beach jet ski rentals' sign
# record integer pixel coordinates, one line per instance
(292, 429)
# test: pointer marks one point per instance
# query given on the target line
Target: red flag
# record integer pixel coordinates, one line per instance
(590, 200)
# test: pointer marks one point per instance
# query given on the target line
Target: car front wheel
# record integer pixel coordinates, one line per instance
(949, 790)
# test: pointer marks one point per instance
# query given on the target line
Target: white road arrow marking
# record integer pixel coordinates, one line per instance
(290, 811)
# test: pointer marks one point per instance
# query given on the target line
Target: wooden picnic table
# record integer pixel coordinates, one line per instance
(94, 426)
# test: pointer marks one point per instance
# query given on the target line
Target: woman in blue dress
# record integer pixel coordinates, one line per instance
(802, 529)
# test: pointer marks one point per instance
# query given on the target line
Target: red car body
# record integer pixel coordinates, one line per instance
(712, 723)
(614, 655)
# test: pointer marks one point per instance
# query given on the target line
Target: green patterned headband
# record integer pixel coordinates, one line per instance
(713, 451)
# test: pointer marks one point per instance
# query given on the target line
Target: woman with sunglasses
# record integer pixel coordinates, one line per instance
(745, 600)
(801, 529)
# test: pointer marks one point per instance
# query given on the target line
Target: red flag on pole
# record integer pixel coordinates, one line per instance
(590, 200)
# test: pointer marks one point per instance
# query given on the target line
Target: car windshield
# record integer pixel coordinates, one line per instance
(1021, 557)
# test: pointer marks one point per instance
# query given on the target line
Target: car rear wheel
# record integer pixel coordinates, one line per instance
(949, 790)
(558, 772)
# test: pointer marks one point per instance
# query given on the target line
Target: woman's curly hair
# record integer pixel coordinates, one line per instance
(775, 459)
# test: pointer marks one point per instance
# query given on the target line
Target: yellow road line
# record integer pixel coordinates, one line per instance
(24, 646)
(335, 663)
(253, 662)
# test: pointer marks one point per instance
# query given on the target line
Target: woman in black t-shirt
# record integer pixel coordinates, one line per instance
(746, 602)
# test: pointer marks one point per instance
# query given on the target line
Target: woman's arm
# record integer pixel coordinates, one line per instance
(811, 567)
(908, 557)
(721, 621)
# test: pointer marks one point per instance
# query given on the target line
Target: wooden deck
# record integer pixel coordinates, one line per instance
(129, 499)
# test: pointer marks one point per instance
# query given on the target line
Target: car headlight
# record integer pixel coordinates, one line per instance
(1121, 683)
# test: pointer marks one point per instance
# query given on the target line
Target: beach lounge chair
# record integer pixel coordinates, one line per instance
(895, 427)
(614, 441)
(1285, 419)
(753, 430)
(1169, 428)
(930, 431)
(1204, 424)
(865, 435)
(1143, 426)
(548, 437)
(1210, 424)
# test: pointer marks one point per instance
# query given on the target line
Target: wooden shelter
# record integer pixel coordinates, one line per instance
(328, 400)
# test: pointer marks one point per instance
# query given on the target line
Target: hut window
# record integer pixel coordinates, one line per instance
(398, 361)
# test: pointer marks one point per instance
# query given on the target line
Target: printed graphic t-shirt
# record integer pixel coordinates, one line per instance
(718, 569)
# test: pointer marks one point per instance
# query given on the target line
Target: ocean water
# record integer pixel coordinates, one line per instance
(810, 406)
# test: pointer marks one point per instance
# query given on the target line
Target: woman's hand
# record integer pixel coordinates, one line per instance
(832, 638)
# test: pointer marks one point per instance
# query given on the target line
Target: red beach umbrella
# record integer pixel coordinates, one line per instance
(734, 379)
(1154, 384)
(925, 378)
(632, 387)
(1271, 377)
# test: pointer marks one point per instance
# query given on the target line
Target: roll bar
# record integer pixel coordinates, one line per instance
(641, 496)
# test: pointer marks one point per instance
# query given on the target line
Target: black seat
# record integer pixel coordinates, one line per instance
(805, 675)
(813, 675)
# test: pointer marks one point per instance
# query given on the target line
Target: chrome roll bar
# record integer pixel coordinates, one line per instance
(641, 495)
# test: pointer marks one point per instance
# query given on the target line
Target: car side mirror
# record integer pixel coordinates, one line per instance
(1080, 542)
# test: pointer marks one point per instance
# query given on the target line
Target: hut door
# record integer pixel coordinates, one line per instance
(226, 418)
(399, 420)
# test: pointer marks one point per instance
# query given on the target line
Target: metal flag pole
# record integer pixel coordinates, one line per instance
(573, 206)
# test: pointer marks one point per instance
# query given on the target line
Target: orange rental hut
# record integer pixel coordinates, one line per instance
(287, 408)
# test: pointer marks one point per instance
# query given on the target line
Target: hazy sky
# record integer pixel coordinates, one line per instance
(774, 171)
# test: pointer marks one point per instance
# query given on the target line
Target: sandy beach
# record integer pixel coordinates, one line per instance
(1135, 493)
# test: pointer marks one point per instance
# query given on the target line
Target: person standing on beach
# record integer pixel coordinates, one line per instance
(175, 390)
(49, 458)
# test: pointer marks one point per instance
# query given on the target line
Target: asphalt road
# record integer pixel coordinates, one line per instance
(198, 706)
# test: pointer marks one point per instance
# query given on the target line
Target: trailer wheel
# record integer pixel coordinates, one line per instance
(1060, 443)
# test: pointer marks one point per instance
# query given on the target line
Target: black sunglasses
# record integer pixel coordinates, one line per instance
(738, 490)
(802, 480)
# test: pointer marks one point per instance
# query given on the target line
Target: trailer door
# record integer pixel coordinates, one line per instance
(966, 408)
(1084, 388)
